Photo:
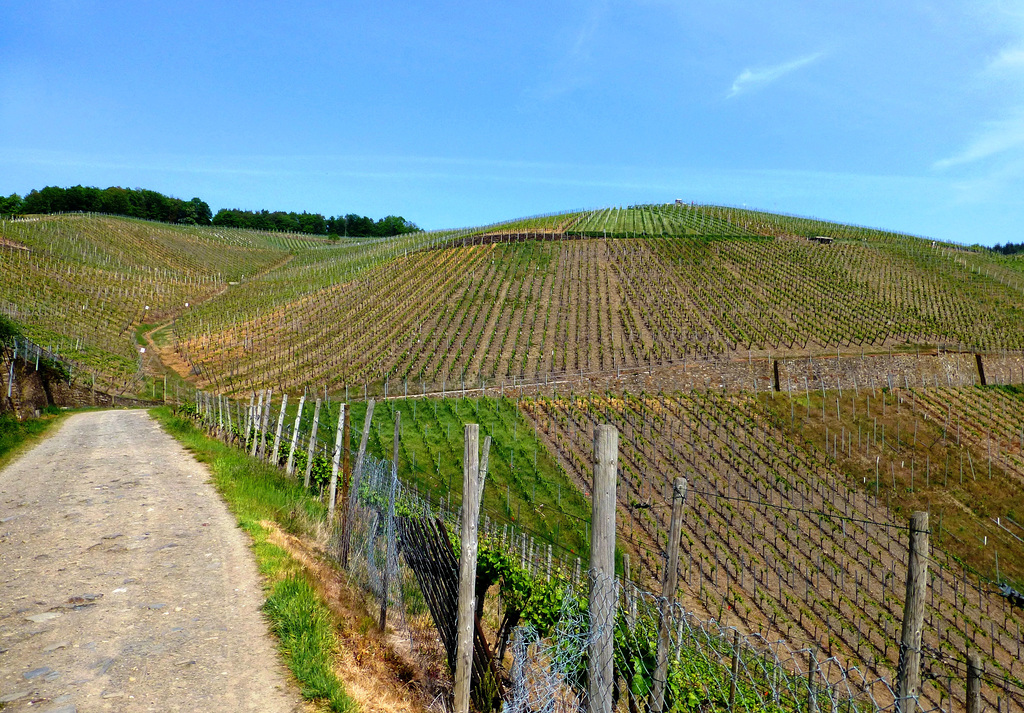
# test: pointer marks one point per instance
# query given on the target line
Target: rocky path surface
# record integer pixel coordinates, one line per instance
(125, 583)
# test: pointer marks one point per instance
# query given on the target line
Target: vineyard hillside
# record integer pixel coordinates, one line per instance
(814, 382)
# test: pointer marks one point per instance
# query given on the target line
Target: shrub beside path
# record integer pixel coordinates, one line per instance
(125, 583)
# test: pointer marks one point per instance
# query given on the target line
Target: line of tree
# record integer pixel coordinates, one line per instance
(151, 205)
(350, 225)
(1009, 248)
(132, 202)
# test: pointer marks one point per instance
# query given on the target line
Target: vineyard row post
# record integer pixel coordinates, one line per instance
(668, 595)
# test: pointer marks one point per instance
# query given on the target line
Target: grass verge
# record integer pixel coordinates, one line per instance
(17, 435)
(256, 492)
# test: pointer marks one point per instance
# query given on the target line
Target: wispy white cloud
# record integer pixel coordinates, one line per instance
(994, 138)
(750, 78)
(998, 144)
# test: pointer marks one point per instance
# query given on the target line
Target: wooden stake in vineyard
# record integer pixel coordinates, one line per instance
(668, 596)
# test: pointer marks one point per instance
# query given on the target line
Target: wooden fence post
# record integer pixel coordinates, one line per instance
(973, 683)
(261, 450)
(812, 693)
(290, 467)
(467, 569)
(346, 487)
(908, 674)
(485, 457)
(735, 668)
(603, 596)
(311, 449)
(389, 553)
(353, 493)
(277, 431)
(256, 426)
(358, 472)
(248, 416)
(335, 465)
(668, 596)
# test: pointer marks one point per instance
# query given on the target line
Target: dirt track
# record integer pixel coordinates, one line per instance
(125, 583)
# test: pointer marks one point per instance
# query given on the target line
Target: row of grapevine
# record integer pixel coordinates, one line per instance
(504, 312)
(777, 539)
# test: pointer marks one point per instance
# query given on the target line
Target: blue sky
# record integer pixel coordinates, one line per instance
(907, 115)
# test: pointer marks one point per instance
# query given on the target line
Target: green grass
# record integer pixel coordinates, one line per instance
(525, 484)
(16, 435)
(256, 492)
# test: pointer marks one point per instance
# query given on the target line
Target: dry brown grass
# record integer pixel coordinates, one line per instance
(378, 671)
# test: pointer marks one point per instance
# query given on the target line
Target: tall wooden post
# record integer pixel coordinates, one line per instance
(346, 488)
(261, 450)
(485, 457)
(389, 549)
(358, 472)
(335, 465)
(735, 669)
(229, 435)
(248, 416)
(290, 467)
(973, 683)
(353, 493)
(908, 674)
(668, 596)
(603, 585)
(812, 668)
(467, 569)
(280, 426)
(311, 449)
(256, 420)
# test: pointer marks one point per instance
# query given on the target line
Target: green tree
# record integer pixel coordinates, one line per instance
(11, 205)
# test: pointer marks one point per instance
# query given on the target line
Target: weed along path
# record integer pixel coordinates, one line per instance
(125, 583)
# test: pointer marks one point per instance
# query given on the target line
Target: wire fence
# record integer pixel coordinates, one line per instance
(535, 638)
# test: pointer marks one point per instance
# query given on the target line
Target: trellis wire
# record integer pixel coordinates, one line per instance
(545, 668)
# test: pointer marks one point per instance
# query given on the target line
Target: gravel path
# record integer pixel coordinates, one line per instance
(125, 584)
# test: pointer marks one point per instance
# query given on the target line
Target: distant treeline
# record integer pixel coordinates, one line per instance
(132, 202)
(1009, 248)
(150, 205)
(351, 225)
